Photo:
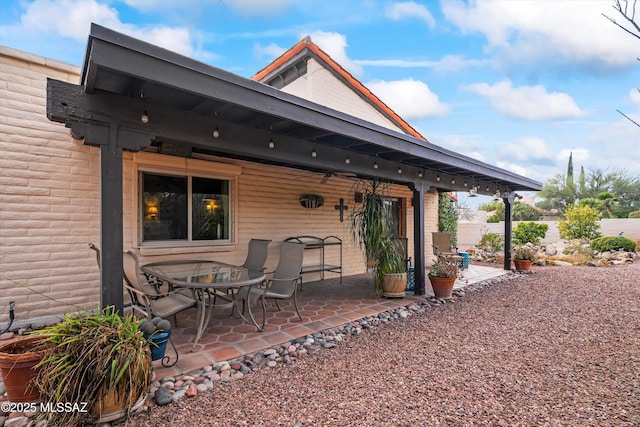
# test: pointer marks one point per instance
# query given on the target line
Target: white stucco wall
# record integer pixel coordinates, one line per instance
(320, 86)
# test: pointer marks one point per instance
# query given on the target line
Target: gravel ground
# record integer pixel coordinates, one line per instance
(558, 347)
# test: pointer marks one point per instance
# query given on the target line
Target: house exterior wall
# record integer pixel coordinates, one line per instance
(319, 85)
(50, 204)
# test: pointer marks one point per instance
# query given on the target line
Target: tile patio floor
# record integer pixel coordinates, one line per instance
(323, 305)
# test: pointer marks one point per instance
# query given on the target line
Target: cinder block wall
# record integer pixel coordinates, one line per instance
(49, 198)
(50, 203)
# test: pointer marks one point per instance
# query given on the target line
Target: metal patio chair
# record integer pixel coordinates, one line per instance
(283, 284)
(145, 298)
(442, 247)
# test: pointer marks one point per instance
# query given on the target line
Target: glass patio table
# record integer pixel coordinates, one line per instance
(204, 278)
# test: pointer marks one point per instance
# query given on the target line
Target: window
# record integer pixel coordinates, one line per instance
(177, 208)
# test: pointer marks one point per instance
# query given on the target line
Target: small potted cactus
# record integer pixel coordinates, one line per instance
(157, 332)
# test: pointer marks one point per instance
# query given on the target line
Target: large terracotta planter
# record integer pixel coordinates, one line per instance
(17, 362)
(522, 264)
(442, 286)
(394, 285)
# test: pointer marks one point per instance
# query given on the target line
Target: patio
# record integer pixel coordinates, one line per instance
(323, 304)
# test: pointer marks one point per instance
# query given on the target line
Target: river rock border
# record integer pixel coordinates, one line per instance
(166, 390)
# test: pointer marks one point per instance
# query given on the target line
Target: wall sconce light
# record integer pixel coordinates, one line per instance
(347, 160)
(314, 154)
(216, 133)
(144, 118)
(152, 212)
(271, 144)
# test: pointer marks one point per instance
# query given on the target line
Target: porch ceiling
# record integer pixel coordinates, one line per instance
(249, 114)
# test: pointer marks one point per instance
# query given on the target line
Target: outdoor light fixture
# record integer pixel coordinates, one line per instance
(271, 143)
(216, 133)
(465, 184)
(144, 118)
(399, 170)
(347, 160)
(375, 165)
(314, 154)
(438, 177)
(453, 180)
(420, 173)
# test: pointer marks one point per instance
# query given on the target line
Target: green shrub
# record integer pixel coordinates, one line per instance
(613, 243)
(634, 214)
(581, 223)
(491, 242)
(493, 219)
(529, 232)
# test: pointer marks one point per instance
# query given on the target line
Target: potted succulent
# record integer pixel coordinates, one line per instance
(98, 358)
(157, 332)
(390, 271)
(523, 256)
(442, 275)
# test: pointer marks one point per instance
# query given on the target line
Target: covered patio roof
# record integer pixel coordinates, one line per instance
(186, 100)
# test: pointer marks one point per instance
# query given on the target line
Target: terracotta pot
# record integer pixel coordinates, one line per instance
(17, 362)
(522, 264)
(394, 285)
(111, 407)
(442, 286)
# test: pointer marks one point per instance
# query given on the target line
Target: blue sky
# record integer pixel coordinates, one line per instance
(518, 84)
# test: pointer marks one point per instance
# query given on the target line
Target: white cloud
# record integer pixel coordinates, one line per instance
(72, 19)
(527, 102)
(271, 50)
(448, 63)
(408, 10)
(411, 99)
(527, 148)
(572, 32)
(335, 45)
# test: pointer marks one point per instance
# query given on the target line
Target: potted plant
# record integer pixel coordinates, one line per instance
(367, 219)
(442, 276)
(18, 360)
(157, 332)
(371, 228)
(390, 271)
(100, 359)
(523, 256)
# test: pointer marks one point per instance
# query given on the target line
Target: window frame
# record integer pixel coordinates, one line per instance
(184, 167)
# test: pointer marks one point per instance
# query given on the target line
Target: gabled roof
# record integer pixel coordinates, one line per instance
(306, 48)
